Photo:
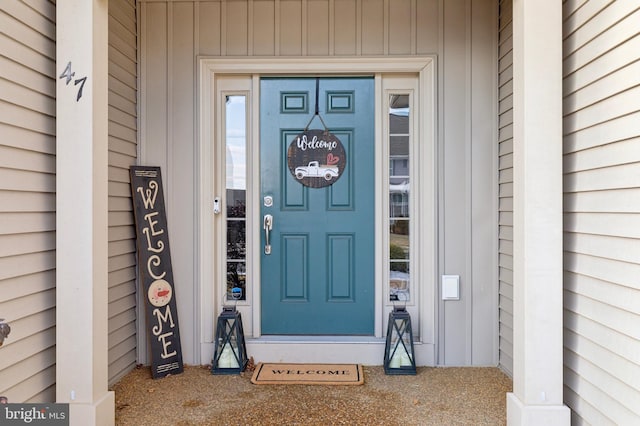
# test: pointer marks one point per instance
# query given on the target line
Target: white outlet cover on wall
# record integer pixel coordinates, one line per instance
(450, 287)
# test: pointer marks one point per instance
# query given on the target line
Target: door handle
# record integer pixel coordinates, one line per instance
(267, 225)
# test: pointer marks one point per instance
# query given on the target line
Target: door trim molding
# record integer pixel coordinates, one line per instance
(316, 65)
(208, 67)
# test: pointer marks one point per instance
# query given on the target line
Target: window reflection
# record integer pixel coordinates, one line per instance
(399, 220)
(236, 189)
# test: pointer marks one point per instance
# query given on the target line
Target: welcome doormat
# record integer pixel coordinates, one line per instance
(307, 374)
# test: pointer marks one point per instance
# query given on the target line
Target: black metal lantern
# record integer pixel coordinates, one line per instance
(399, 356)
(230, 355)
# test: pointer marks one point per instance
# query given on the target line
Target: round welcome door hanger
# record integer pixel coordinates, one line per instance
(316, 158)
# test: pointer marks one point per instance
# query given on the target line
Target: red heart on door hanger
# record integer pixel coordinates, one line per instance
(332, 159)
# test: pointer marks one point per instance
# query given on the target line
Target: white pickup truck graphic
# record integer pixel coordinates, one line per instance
(314, 169)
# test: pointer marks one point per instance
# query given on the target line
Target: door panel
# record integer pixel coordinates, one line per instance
(319, 276)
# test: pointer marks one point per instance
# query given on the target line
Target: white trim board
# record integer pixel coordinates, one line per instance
(211, 67)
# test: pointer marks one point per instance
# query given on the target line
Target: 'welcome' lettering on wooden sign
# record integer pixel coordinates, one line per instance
(155, 272)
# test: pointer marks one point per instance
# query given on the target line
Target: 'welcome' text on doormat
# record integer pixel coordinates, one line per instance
(308, 374)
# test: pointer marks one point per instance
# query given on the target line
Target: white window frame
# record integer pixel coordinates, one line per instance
(403, 85)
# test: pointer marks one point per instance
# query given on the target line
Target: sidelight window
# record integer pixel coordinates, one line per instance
(236, 193)
(399, 186)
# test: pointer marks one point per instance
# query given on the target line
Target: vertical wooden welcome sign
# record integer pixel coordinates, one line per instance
(155, 272)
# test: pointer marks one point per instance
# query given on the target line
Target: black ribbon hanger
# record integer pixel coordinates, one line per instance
(317, 113)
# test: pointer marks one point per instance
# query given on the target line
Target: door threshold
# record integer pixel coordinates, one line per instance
(302, 339)
(366, 350)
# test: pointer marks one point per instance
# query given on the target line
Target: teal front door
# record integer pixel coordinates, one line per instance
(317, 274)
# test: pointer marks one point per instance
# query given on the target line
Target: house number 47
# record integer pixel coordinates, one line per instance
(68, 75)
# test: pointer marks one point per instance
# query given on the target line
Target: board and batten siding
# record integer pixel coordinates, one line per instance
(462, 35)
(505, 185)
(28, 199)
(123, 149)
(602, 211)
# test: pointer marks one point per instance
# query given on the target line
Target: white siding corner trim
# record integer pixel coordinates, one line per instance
(537, 396)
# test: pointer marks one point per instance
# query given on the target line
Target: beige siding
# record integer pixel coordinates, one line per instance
(467, 207)
(505, 182)
(602, 211)
(122, 154)
(27, 200)
(27, 195)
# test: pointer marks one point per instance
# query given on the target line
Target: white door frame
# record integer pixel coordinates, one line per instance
(210, 303)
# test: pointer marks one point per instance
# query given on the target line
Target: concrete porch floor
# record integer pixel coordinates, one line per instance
(435, 396)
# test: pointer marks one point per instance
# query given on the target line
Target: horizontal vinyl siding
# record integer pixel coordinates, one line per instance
(602, 211)
(122, 154)
(505, 182)
(27, 199)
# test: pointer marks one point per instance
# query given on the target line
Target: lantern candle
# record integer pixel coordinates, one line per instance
(400, 357)
(228, 358)
(395, 359)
